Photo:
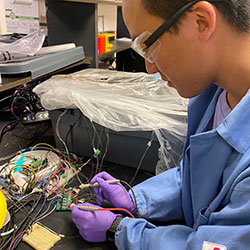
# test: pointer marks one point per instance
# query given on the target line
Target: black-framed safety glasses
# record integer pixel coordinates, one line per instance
(148, 45)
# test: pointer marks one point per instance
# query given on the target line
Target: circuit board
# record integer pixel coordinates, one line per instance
(64, 202)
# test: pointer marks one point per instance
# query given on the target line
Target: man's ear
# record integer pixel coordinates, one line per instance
(205, 19)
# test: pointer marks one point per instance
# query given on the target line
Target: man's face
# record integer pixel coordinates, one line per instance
(181, 60)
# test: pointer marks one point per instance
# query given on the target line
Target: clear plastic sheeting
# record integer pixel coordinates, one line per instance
(117, 100)
(121, 101)
(28, 45)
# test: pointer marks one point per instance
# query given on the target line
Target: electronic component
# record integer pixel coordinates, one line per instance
(37, 117)
(41, 238)
(64, 202)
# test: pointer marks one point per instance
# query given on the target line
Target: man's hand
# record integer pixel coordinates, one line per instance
(115, 193)
(92, 225)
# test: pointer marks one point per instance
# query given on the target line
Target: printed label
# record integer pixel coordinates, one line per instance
(212, 246)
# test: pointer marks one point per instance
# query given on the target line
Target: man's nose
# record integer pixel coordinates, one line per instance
(150, 67)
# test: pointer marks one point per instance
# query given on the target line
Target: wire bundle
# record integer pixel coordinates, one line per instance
(23, 213)
(51, 172)
(23, 100)
(46, 181)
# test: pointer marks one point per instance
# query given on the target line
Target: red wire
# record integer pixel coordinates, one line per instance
(16, 238)
(70, 194)
(116, 209)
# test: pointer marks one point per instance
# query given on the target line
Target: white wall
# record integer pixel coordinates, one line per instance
(2, 18)
(110, 14)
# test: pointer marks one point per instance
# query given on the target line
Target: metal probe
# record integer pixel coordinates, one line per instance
(85, 208)
(96, 184)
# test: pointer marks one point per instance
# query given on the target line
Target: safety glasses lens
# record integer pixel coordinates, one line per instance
(149, 53)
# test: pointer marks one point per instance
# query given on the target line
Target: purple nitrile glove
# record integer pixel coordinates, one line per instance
(92, 225)
(115, 193)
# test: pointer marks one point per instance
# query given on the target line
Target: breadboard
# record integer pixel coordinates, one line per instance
(40, 238)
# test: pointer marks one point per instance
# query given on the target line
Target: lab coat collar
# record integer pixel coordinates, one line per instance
(235, 128)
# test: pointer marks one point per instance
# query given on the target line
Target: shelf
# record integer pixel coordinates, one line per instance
(13, 81)
(64, 26)
(119, 45)
(117, 3)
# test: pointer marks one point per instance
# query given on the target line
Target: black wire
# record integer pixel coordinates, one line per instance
(22, 98)
(70, 130)
(8, 238)
(6, 98)
(134, 199)
(32, 203)
(25, 224)
(142, 158)
(3, 129)
(10, 225)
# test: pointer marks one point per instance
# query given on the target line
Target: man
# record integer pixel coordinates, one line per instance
(203, 51)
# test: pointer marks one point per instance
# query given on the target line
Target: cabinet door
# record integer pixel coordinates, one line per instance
(73, 22)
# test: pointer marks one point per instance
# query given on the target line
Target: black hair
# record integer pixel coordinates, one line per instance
(235, 12)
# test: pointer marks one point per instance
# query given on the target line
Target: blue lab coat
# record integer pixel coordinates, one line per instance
(210, 190)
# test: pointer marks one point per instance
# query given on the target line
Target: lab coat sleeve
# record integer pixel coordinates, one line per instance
(159, 198)
(225, 229)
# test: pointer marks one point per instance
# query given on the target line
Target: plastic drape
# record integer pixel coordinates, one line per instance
(28, 45)
(122, 101)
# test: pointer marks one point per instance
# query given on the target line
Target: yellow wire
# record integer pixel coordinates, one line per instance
(8, 157)
(44, 144)
(23, 166)
(39, 167)
(68, 164)
(30, 168)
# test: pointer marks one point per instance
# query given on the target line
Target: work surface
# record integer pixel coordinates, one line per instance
(60, 221)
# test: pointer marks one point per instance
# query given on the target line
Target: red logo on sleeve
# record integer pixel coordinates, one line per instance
(216, 248)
